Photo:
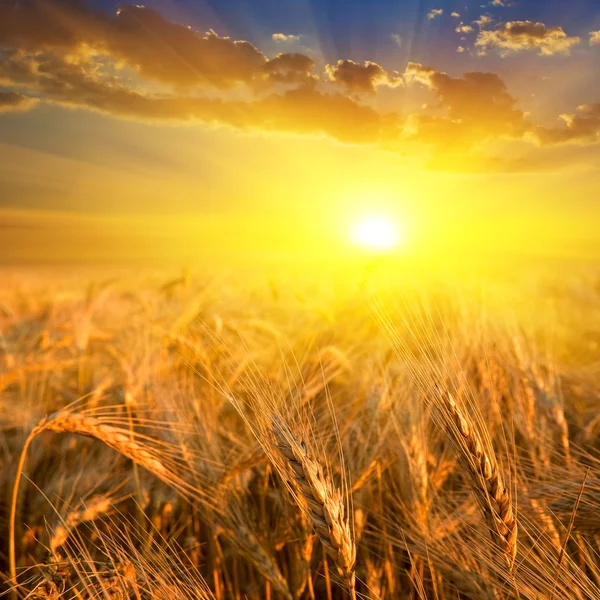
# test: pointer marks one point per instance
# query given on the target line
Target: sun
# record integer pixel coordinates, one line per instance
(376, 232)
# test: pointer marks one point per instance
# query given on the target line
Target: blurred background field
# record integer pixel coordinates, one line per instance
(195, 366)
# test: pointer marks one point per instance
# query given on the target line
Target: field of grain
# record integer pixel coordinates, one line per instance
(205, 436)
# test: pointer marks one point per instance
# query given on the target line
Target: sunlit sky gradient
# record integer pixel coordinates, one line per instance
(129, 132)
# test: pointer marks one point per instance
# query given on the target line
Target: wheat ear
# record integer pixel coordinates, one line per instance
(72, 422)
(90, 511)
(321, 501)
(494, 496)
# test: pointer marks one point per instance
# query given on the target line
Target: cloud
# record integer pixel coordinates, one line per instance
(417, 72)
(460, 49)
(282, 37)
(594, 38)
(175, 54)
(137, 65)
(499, 3)
(483, 21)
(454, 14)
(299, 110)
(341, 117)
(582, 127)
(290, 68)
(49, 24)
(462, 28)
(65, 53)
(436, 12)
(135, 36)
(473, 108)
(518, 36)
(11, 101)
(397, 39)
(361, 78)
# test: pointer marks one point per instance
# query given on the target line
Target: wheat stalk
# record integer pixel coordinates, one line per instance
(302, 560)
(494, 496)
(321, 501)
(90, 511)
(82, 424)
(247, 543)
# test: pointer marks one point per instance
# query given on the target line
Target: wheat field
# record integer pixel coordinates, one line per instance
(219, 436)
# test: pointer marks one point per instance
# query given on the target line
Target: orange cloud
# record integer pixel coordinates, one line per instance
(136, 36)
(594, 38)
(582, 127)
(10, 101)
(475, 107)
(290, 68)
(175, 54)
(518, 36)
(49, 24)
(63, 52)
(483, 21)
(361, 78)
(302, 110)
(417, 72)
(462, 28)
(436, 12)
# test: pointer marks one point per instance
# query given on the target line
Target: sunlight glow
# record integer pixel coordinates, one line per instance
(376, 232)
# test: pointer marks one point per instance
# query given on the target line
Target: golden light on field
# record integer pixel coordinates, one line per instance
(376, 232)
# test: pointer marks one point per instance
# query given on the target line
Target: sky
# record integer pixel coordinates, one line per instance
(186, 128)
